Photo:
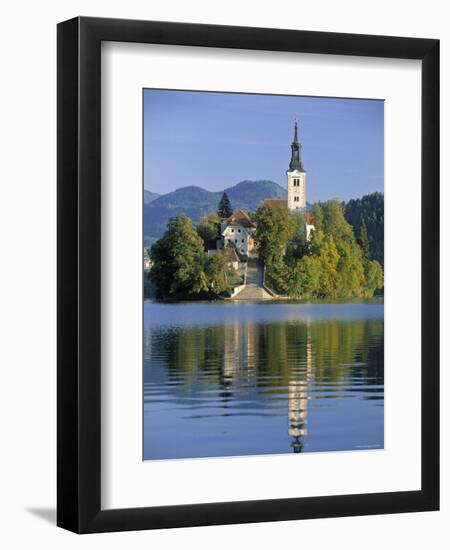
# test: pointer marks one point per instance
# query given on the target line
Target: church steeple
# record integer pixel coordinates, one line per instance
(296, 153)
(296, 176)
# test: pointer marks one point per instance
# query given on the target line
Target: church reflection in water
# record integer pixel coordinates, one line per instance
(298, 402)
(245, 387)
(242, 366)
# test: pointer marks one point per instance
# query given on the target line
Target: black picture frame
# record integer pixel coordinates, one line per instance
(79, 281)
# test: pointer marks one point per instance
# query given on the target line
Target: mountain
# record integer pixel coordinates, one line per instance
(149, 196)
(195, 202)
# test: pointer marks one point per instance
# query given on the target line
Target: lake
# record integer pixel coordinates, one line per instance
(233, 379)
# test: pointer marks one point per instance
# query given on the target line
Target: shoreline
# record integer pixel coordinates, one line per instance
(376, 300)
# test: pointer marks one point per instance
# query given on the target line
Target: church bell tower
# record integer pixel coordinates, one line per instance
(296, 176)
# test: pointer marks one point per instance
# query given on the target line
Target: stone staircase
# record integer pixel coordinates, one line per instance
(253, 289)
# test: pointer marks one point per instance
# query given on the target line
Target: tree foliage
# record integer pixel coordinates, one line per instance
(369, 210)
(182, 268)
(363, 242)
(336, 262)
(275, 227)
(332, 264)
(224, 209)
(209, 229)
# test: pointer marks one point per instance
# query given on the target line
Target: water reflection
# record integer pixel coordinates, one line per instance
(227, 385)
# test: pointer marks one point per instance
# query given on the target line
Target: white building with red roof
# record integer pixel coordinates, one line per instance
(238, 230)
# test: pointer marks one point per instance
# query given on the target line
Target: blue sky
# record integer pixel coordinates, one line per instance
(215, 140)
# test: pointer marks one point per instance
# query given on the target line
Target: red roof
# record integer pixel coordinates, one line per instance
(276, 203)
(239, 217)
(309, 218)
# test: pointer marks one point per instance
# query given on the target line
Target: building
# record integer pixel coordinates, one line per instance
(296, 176)
(230, 255)
(296, 187)
(238, 230)
(296, 180)
(147, 261)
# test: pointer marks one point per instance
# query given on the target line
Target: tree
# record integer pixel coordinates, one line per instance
(277, 272)
(370, 210)
(318, 217)
(328, 260)
(219, 274)
(224, 209)
(304, 280)
(275, 227)
(363, 242)
(351, 278)
(298, 246)
(179, 260)
(374, 277)
(334, 222)
(209, 229)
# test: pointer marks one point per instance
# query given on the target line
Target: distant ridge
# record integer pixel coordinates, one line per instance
(195, 202)
(149, 196)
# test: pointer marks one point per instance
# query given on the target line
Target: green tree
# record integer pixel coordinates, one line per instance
(370, 210)
(328, 260)
(318, 216)
(209, 229)
(224, 209)
(298, 246)
(351, 278)
(363, 242)
(275, 227)
(277, 272)
(304, 280)
(334, 222)
(219, 274)
(374, 277)
(179, 260)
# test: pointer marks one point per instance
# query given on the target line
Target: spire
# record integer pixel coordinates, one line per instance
(296, 150)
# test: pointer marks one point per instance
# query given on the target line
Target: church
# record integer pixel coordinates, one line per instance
(238, 229)
(296, 180)
(296, 176)
(296, 186)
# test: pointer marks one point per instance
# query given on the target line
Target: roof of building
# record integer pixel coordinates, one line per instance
(276, 203)
(309, 217)
(296, 163)
(239, 217)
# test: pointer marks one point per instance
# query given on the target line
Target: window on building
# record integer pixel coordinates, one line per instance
(239, 230)
(242, 240)
(242, 251)
(232, 230)
(235, 240)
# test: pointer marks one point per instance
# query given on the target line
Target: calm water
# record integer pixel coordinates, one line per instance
(227, 379)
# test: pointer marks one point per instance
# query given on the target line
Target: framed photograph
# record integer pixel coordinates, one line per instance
(248, 288)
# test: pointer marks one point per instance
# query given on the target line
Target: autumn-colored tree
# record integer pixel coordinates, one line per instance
(374, 278)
